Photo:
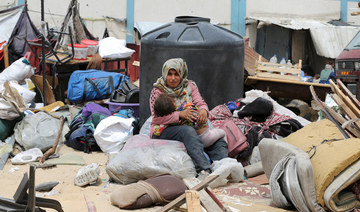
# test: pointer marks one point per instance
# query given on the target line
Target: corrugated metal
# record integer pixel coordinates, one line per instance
(293, 23)
(329, 40)
(251, 56)
(143, 27)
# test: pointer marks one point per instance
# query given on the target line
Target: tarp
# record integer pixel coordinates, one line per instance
(329, 40)
(116, 27)
(15, 27)
(79, 31)
(8, 20)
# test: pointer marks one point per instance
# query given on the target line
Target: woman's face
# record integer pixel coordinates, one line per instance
(172, 79)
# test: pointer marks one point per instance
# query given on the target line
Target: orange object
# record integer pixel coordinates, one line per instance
(92, 46)
(80, 51)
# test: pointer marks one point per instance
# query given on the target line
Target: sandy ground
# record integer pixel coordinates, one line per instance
(71, 197)
(75, 198)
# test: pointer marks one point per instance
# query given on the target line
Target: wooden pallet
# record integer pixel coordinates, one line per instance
(278, 71)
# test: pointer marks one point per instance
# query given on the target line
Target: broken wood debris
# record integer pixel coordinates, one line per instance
(349, 120)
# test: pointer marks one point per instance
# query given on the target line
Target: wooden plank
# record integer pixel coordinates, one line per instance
(278, 76)
(136, 63)
(329, 116)
(252, 80)
(282, 69)
(346, 91)
(215, 198)
(346, 109)
(208, 203)
(278, 71)
(6, 56)
(192, 201)
(350, 127)
(251, 56)
(181, 199)
(345, 99)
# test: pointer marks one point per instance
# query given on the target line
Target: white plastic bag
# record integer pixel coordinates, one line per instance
(18, 71)
(27, 156)
(111, 47)
(145, 129)
(224, 168)
(11, 102)
(26, 94)
(111, 133)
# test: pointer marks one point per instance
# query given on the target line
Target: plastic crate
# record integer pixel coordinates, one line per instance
(116, 107)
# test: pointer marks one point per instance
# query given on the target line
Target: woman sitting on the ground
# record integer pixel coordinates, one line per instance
(174, 83)
(165, 105)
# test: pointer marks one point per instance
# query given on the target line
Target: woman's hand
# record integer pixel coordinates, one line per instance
(188, 114)
(202, 116)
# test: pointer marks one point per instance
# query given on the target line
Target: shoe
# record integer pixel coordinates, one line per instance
(87, 175)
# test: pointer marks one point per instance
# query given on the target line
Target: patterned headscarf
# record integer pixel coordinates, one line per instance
(182, 92)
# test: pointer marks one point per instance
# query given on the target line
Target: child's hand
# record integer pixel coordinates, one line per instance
(188, 114)
(202, 116)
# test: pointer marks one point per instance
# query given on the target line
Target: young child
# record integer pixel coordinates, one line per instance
(165, 105)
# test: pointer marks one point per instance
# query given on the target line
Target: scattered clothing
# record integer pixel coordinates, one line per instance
(258, 110)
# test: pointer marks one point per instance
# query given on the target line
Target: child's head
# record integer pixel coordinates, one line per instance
(164, 105)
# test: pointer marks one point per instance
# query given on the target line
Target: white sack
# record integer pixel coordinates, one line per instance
(26, 94)
(143, 157)
(11, 102)
(17, 71)
(111, 133)
(111, 47)
(39, 130)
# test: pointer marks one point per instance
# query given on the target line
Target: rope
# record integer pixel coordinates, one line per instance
(313, 147)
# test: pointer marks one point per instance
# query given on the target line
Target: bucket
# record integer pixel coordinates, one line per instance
(93, 46)
(80, 51)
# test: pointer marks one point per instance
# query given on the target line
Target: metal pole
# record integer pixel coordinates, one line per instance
(43, 51)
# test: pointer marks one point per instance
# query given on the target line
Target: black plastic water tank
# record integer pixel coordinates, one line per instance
(214, 55)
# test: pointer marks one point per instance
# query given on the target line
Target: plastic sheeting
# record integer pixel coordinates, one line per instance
(38, 130)
(329, 40)
(8, 20)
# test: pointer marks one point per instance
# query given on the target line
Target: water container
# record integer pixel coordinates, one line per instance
(283, 61)
(214, 55)
(289, 62)
(273, 59)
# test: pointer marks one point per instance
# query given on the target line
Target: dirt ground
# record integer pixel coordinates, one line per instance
(75, 198)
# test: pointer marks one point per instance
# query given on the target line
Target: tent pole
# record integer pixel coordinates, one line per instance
(43, 51)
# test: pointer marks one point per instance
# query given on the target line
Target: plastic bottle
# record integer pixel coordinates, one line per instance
(289, 62)
(273, 59)
(283, 61)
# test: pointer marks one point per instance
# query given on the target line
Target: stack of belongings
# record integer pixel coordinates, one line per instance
(313, 169)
